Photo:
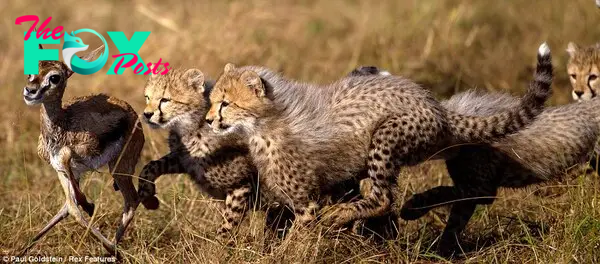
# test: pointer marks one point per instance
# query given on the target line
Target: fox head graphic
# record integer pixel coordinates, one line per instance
(74, 44)
(71, 46)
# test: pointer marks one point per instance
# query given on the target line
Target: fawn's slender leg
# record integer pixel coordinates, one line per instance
(88, 207)
(62, 214)
(74, 198)
(71, 188)
(123, 169)
(122, 176)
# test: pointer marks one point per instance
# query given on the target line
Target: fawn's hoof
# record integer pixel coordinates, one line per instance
(151, 203)
(89, 208)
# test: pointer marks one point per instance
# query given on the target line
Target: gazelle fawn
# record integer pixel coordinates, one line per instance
(82, 135)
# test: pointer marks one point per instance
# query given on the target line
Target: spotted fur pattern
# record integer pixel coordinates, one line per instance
(218, 165)
(305, 138)
(560, 138)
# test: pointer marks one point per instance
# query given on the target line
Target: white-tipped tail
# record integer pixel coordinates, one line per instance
(544, 49)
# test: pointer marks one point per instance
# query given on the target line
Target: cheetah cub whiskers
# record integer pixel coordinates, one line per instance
(305, 138)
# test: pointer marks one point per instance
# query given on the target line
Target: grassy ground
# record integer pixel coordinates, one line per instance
(448, 46)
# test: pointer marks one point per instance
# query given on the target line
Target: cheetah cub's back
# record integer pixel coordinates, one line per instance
(305, 138)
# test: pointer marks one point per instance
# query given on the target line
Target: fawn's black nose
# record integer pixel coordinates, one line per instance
(209, 121)
(148, 114)
(578, 93)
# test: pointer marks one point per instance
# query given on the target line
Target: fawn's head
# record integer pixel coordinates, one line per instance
(50, 82)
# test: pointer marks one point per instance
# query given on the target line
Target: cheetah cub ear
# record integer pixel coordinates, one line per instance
(572, 49)
(253, 81)
(229, 68)
(195, 79)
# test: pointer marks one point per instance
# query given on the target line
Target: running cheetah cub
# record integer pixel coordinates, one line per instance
(219, 165)
(584, 68)
(305, 138)
(560, 138)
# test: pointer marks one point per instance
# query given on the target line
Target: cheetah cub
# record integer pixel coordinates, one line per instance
(220, 166)
(305, 138)
(584, 68)
(178, 102)
(560, 138)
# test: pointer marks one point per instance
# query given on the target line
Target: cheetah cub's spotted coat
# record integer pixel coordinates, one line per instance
(306, 138)
(218, 164)
(560, 138)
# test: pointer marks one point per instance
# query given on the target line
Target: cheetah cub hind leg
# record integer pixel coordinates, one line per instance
(383, 162)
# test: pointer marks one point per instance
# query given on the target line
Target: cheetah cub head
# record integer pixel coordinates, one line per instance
(584, 68)
(237, 101)
(176, 98)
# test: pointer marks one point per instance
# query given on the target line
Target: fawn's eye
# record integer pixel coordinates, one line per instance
(55, 79)
(164, 100)
(573, 76)
(147, 98)
(592, 77)
(224, 104)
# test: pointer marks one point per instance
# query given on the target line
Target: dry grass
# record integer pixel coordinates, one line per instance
(448, 46)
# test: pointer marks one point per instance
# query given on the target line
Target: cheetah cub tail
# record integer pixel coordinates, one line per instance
(487, 128)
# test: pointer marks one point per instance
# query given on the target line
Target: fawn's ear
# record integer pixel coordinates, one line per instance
(572, 49)
(90, 55)
(253, 81)
(195, 79)
(229, 67)
(69, 72)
